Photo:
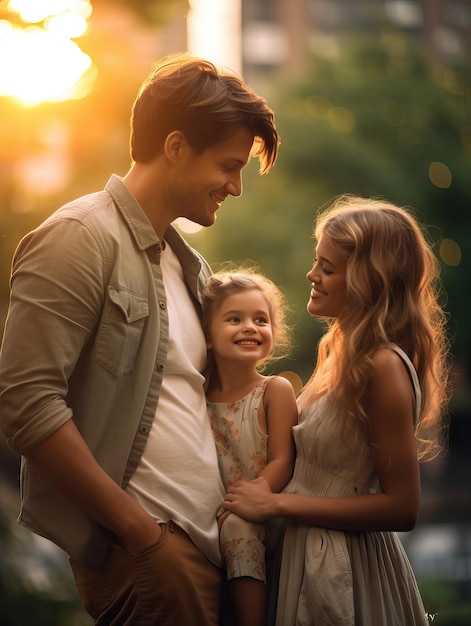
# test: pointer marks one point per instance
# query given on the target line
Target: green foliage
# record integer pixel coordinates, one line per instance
(34, 588)
(446, 605)
(405, 118)
(370, 121)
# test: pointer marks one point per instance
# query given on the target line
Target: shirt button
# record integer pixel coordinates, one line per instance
(160, 367)
(143, 430)
(162, 305)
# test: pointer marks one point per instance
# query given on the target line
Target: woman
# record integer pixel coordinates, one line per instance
(371, 409)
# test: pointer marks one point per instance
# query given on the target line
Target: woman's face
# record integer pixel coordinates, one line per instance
(328, 280)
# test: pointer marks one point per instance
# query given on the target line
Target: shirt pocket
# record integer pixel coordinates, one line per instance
(120, 333)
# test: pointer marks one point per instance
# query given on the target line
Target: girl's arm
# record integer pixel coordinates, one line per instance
(282, 415)
(390, 409)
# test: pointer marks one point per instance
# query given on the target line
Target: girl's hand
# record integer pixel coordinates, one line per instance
(253, 501)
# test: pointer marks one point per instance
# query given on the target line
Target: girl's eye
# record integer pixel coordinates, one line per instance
(233, 319)
(261, 320)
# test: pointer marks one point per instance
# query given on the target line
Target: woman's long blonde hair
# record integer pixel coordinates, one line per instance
(393, 291)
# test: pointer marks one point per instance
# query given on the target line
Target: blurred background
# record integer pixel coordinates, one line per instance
(372, 97)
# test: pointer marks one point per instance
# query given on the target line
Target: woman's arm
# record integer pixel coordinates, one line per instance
(390, 411)
(282, 415)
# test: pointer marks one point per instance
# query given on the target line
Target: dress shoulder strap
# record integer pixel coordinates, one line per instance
(265, 382)
(414, 379)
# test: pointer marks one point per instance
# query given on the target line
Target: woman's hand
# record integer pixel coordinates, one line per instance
(253, 501)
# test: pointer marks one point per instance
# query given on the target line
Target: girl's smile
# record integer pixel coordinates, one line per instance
(241, 327)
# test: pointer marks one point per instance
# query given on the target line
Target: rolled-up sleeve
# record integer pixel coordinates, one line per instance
(56, 298)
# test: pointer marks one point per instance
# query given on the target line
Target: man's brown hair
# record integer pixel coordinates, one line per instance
(206, 104)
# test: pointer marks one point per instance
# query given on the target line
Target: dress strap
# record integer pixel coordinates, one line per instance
(414, 378)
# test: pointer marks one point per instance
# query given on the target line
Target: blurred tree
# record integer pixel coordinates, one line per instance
(375, 120)
(36, 586)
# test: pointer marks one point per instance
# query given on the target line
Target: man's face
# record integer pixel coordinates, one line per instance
(202, 181)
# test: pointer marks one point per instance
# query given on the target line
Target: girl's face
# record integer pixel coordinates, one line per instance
(328, 280)
(241, 328)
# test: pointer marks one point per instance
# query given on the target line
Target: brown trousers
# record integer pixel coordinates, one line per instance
(170, 584)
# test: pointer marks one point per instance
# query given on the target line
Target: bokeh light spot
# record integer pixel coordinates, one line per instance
(341, 119)
(450, 252)
(318, 107)
(440, 175)
(294, 379)
(187, 226)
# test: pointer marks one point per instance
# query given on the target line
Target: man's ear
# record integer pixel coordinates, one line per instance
(173, 144)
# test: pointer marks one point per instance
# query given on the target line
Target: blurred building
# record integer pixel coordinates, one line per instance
(278, 36)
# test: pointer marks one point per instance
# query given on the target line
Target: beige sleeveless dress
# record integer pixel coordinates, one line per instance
(334, 578)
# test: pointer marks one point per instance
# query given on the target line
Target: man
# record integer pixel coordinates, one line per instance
(101, 384)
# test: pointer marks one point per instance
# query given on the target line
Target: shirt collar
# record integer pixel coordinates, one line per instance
(134, 215)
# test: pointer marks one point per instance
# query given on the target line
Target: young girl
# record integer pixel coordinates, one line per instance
(371, 408)
(252, 417)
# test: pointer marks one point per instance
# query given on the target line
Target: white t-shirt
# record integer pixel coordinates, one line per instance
(178, 478)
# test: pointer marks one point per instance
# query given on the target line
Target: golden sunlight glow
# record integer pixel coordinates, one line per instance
(187, 226)
(43, 63)
(214, 31)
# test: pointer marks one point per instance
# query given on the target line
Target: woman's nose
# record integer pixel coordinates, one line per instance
(312, 275)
